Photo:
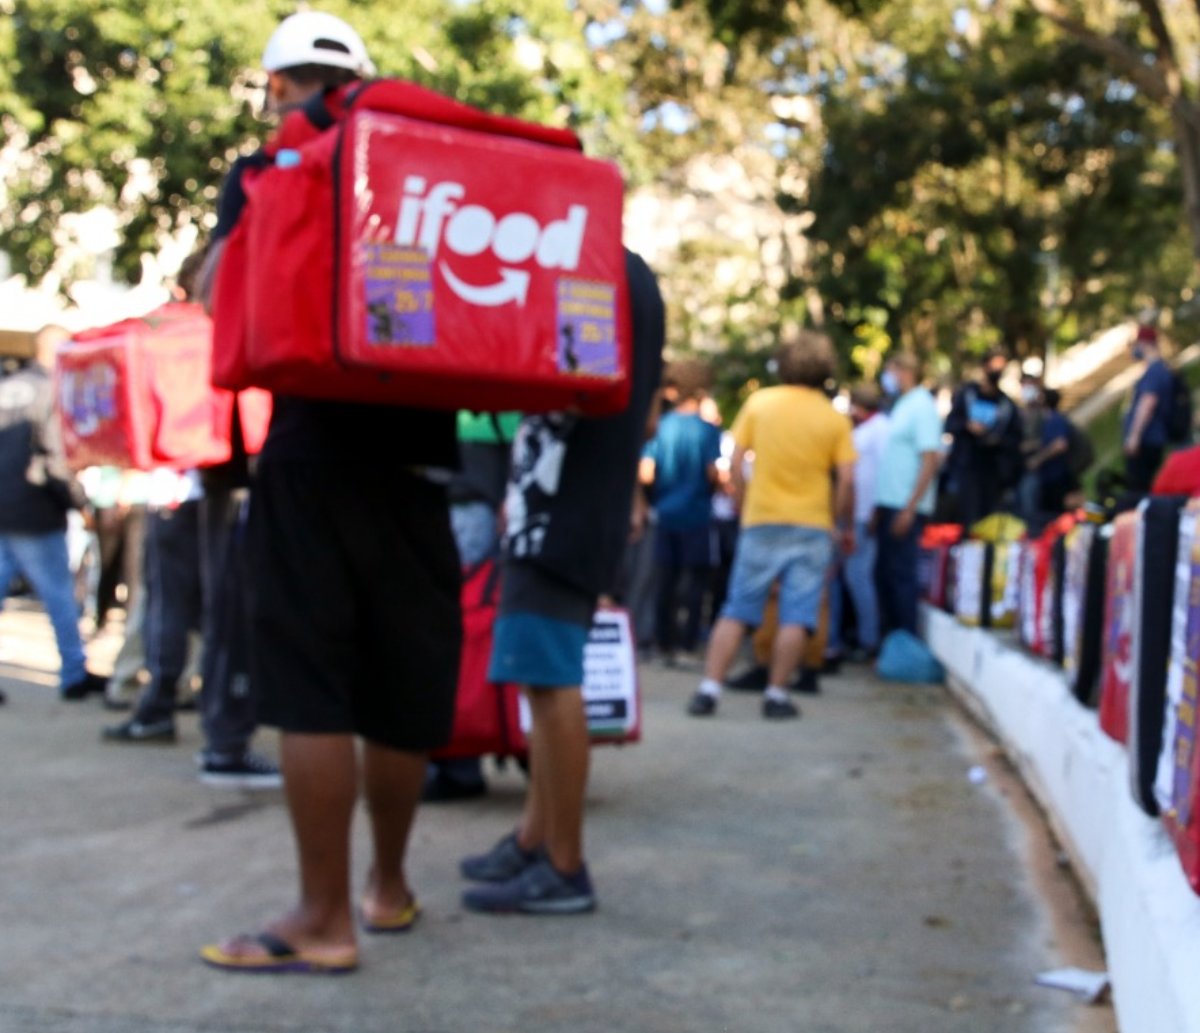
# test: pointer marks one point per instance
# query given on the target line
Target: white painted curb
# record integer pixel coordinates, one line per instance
(1149, 916)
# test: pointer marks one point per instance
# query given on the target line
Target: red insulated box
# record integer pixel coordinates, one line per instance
(492, 719)
(413, 260)
(137, 395)
(1116, 671)
(933, 564)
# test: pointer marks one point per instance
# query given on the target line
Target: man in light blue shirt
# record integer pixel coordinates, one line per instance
(904, 490)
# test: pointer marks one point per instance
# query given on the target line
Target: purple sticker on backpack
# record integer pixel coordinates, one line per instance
(587, 328)
(398, 296)
(1185, 713)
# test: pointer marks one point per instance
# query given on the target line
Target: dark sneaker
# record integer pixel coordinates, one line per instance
(806, 681)
(443, 788)
(134, 730)
(779, 709)
(245, 771)
(702, 705)
(504, 861)
(86, 686)
(753, 679)
(541, 889)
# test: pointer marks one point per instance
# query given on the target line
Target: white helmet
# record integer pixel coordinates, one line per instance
(316, 38)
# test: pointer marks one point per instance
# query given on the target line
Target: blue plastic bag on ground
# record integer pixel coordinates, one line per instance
(904, 657)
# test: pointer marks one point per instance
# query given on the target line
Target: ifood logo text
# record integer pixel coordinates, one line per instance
(430, 219)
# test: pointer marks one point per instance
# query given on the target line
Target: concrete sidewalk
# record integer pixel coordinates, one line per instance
(840, 874)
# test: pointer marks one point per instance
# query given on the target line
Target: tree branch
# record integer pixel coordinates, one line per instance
(1148, 78)
(1166, 46)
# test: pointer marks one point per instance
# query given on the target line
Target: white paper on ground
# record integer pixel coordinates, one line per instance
(1088, 986)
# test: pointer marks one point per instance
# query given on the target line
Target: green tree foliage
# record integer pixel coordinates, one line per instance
(978, 176)
(1005, 180)
(940, 174)
(140, 105)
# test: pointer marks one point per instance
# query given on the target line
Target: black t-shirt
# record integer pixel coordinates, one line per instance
(571, 484)
(308, 430)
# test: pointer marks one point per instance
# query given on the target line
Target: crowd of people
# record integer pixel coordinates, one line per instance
(323, 578)
(911, 458)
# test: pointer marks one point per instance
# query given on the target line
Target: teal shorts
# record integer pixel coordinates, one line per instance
(541, 630)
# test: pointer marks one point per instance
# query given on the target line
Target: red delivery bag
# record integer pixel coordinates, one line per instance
(137, 394)
(1177, 778)
(494, 719)
(934, 561)
(422, 252)
(485, 714)
(1116, 670)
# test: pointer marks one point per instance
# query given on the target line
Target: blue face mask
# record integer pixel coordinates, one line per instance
(890, 382)
(1138, 353)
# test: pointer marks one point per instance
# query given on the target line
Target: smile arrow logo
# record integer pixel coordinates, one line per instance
(513, 286)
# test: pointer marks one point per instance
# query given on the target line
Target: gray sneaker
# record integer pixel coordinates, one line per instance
(134, 730)
(505, 860)
(541, 889)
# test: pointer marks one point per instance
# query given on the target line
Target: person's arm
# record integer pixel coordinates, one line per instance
(638, 516)
(229, 210)
(737, 476)
(48, 463)
(1048, 451)
(1143, 413)
(206, 279)
(956, 418)
(930, 461)
(843, 506)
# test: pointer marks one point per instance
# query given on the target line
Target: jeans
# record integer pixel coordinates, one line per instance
(475, 531)
(172, 557)
(858, 573)
(637, 584)
(1141, 467)
(42, 559)
(229, 702)
(683, 558)
(896, 572)
(796, 557)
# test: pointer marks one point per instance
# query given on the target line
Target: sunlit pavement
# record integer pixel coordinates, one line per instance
(846, 872)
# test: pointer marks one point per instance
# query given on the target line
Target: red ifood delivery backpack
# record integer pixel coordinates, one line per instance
(402, 247)
(137, 395)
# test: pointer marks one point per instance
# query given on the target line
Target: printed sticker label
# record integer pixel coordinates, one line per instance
(88, 397)
(587, 328)
(398, 284)
(1185, 714)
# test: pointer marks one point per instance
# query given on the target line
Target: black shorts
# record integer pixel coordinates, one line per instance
(355, 615)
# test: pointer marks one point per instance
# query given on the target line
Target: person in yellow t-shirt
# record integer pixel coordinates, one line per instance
(798, 501)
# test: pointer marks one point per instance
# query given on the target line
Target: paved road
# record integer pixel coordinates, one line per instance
(841, 874)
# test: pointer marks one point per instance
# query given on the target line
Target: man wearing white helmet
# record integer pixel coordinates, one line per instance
(355, 604)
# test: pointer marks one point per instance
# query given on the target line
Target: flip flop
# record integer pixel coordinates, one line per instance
(280, 957)
(400, 921)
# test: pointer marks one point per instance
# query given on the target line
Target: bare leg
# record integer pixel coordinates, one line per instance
(392, 782)
(787, 653)
(321, 784)
(722, 648)
(559, 758)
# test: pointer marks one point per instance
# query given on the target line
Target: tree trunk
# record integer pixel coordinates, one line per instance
(1186, 119)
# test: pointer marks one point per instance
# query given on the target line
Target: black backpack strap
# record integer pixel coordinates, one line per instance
(355, 92)
(317, 112)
